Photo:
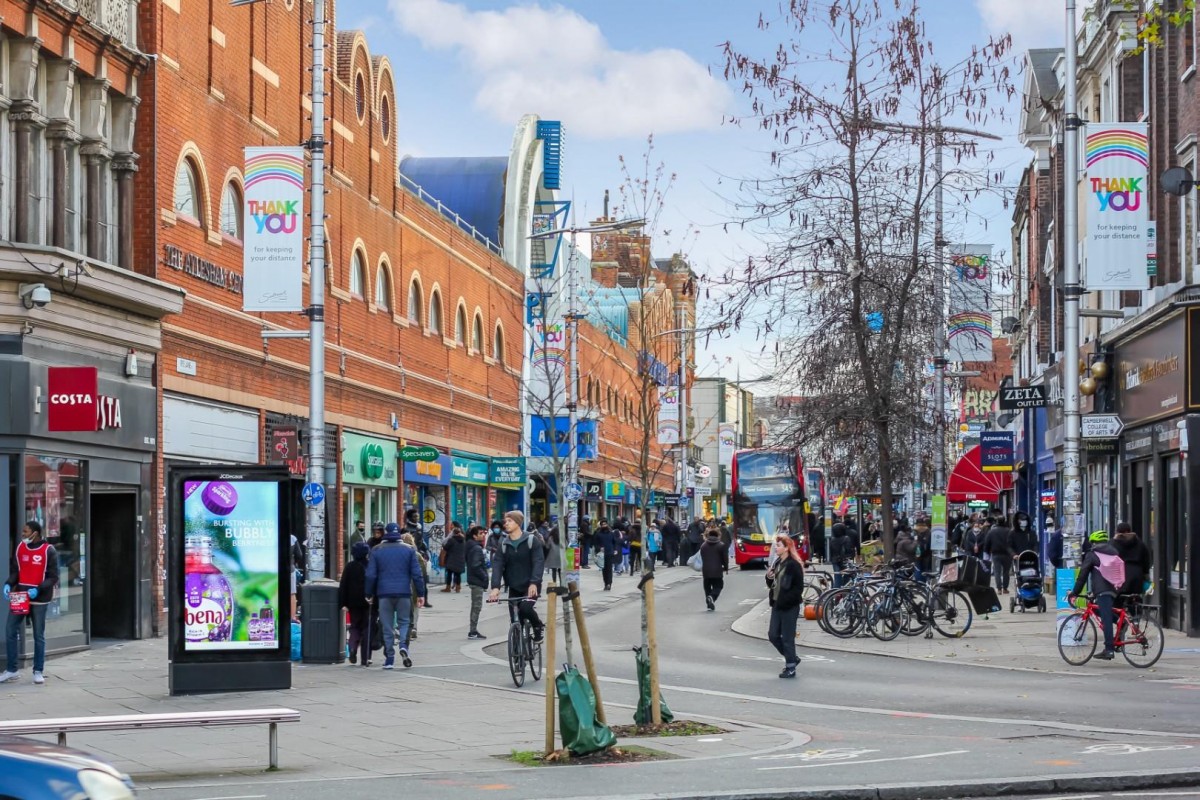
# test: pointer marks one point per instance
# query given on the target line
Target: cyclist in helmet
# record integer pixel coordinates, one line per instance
(1095, 564)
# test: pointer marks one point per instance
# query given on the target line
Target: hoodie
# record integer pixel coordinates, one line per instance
(519, 562)
(352, 590)
(841, 546)
(1137, 558)
(714, 556)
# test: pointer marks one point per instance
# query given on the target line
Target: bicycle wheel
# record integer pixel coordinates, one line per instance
(844, 613)
(516, 655)
(950, 613)
(886, 617)
(1077, 639)
(1143, 642)
(916, 602)
(533, 652)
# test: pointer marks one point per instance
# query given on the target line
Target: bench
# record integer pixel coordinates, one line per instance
(128, 722)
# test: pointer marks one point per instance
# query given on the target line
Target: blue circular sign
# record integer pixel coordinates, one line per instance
(313, 494)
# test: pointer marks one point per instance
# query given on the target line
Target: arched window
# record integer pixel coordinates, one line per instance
(231, 211)
(498, 346)
(414, 302)
(360, 96)
(383, 289)
(187, 192)
(477, 333)
(460, 326)
(385, 118)
(358, 272)
(435, 312)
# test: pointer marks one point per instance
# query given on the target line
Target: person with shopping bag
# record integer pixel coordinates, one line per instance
(32, 579)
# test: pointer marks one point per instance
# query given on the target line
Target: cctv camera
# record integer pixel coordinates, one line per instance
(35, 294)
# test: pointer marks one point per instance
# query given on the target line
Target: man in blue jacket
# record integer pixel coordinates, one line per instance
(392, 574)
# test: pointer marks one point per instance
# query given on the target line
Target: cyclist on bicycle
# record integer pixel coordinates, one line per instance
(519, 564)
(1098, 565)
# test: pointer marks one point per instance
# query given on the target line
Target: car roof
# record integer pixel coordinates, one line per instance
(20, 749)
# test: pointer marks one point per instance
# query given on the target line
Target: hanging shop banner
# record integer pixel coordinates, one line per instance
(726, 443)
(508, 473)
(1117, 206)
(996, 451)
(273, 229)
(969, 326)
(668, 415)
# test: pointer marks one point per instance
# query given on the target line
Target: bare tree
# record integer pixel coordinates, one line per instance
(848, 275)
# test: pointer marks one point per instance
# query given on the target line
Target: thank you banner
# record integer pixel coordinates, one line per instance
(1117, 207)
(273, 229)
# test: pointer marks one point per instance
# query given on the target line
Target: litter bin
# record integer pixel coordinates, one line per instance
(323, 633)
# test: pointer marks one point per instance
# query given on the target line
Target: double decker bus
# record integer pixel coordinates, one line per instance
(815, 488)
(768, 489)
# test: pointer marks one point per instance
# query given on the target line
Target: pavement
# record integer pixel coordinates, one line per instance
(1002, 640)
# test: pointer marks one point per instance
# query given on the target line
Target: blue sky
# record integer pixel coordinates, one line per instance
(615, 71)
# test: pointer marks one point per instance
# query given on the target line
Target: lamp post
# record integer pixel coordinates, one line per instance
(1072, 484)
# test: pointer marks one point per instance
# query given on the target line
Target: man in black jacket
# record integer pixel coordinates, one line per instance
(477, 577)
(519, 565)
(671, 536)
(607, 540)
(998, 544)
(352, 596)
(585, 541)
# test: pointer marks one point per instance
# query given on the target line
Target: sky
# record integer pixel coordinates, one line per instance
(617, 71)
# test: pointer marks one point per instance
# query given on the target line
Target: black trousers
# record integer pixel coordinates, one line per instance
(524, 610)
(670, 551)
(635, 560)
(1002, 571)
(713, 587)
(357, 638)
(608, 569)
(782, 633)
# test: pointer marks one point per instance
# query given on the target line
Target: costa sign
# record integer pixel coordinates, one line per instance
(76, 404)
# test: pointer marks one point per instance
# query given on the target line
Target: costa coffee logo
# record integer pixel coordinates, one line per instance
(71, 399)
(76, 403)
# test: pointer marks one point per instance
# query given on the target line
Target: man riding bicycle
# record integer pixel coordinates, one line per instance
(519, 564)
(1100, 565)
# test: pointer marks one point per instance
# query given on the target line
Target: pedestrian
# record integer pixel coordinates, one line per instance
(786, 581)
(414, 610)
(635, 548)
(818, 539)
(1054, 545)
(923, 533)
(359, 534)
(552, 550)
(714, 565)
(376, 538)
(972, 540)
(454, 558)
(519, 565)
(653, 546)
(905, 547)
(998, 545)
(33, 569)
(623, 546)
(841, 552)
(692, 541)
(1105, 570)
(585, 541)
(1024, 537)
(671, 540)
(477, 577)
(495, 538)
(394, 576)
(352, 597)
(1137, 557)
(607, 545)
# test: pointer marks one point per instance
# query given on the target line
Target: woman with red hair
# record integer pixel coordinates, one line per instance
(786, 580)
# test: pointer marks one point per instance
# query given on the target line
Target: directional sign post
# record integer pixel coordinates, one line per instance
(1100, 426)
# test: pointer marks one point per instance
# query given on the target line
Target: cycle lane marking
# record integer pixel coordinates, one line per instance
(857, 762)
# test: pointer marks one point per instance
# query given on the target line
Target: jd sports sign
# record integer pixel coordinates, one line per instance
(372, 461)
(1013, 398)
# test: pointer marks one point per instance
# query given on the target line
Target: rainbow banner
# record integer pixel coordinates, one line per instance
(1116, 206)
(969, 325)
(273, 229)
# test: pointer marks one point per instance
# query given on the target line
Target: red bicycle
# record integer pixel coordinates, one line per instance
(1136, 633)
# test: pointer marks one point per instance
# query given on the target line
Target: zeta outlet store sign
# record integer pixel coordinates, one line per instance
(1117, 205)
(273, 229)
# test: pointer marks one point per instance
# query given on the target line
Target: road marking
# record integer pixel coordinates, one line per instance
(1127, 749)
(1157, 794)
(235, 797)
(750, 601)
(832, 754)
(866, 761)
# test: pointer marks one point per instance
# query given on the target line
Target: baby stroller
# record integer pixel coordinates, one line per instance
(1029, 584)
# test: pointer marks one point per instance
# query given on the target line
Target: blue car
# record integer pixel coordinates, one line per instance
(32, 769)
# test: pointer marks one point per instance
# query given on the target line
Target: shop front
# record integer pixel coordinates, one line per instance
(614, 497)
(1154, 395)
(593, 495)
(76, 457)
(370, 480)
(507, 486)
(469, 489)
(427, 489)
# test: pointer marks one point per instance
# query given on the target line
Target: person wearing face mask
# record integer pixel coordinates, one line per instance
(1024, 537)
(33, 569)
(972, 540)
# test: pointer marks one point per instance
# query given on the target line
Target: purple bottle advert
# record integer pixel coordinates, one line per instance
(231, 564)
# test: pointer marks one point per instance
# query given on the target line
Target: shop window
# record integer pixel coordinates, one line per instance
(54, 499)
(187, 192)
(231, 211)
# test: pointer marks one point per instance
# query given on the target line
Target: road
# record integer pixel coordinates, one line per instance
(854, 719)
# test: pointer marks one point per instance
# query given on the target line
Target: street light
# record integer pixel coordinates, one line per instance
(572, 476)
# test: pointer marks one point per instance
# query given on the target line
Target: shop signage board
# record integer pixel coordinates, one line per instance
(273, 229)
(436, 472)
(614, 491)
(73, 398)
(997, 452)
(508, 472)
(1152, 373)
(1100, 426)
(367, 460)
(1014, 398)
(594, 491)
(469, 470)
(412, 452)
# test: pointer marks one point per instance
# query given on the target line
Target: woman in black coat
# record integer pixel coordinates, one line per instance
(352, 597)
(455, 559)
(786, 580)
(714, 563)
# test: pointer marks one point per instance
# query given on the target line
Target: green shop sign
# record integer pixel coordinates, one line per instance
(369, 461)
(412, 452)
(468, 470)
(508, 473)
(614, 490)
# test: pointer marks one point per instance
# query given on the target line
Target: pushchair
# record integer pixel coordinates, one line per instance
(1029, 584)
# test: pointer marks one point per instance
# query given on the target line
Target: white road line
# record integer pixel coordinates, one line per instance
(864, 761)
(235, 797)
(1157, 794)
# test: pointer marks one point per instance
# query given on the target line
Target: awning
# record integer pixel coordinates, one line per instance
(969, 482)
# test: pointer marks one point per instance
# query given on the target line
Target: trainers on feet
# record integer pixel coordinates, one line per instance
(475, 635)
(404, 659)
(539, 634)
(353, 658)
(39, 677)
(8, 675)
(1107, 655)
(709, 602)
(788, 672)
(389, 662)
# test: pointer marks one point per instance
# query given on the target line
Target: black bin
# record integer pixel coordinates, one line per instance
(323, 633)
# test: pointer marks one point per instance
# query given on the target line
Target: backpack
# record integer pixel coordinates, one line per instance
(1112, 569)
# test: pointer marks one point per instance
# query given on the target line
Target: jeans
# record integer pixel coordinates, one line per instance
(782, 633)
(13, 630)
(1105, 603)
(713, 587)
(1001, 571)
(476, 607)
(391, 610)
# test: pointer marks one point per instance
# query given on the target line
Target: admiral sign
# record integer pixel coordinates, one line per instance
(1013, 398)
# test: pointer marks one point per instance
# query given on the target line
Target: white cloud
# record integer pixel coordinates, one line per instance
(1032, 23)
(553, 62)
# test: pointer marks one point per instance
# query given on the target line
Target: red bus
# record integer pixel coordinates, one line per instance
(768, 494)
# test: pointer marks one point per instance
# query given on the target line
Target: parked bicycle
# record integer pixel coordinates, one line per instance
(1137, 634)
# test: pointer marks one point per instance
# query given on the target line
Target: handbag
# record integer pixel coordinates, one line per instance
(696, 562)
(18, 603)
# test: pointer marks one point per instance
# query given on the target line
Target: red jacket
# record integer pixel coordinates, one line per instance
(34, 567)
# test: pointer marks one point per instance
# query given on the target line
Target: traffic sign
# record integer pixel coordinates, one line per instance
(684, 501)
(573, 491)
(703, 471)
(313, 494)
(1100, 426)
